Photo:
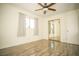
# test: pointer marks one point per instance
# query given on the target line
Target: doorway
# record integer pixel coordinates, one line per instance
(54, 37)
(54, 30)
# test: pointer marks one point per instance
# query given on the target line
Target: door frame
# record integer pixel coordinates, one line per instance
(59, 28)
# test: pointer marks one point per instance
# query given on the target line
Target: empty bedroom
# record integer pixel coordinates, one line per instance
(39, 29)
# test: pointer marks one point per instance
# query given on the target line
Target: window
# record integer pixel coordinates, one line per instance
(27, 22)
(32, 23)
(27, 25)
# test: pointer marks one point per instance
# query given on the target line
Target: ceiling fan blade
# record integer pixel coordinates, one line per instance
(45, 12)
(51, 4)
(40, 4)
(51, 9)
(39, 9)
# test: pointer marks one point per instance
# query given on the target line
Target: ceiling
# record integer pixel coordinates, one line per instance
(60, 8)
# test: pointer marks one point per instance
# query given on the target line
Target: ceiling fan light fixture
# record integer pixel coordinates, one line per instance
(45, 9)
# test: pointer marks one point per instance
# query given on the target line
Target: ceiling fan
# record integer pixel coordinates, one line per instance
(46, 7)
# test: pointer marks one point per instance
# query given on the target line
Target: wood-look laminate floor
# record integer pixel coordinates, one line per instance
(41, 48)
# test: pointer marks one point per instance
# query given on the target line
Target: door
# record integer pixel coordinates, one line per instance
(54, 29)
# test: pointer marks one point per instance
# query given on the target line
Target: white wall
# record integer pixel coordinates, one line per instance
(9, 19)
(69, 26)
(9, 26)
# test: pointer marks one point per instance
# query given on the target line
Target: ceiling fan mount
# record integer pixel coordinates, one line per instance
(46, 7)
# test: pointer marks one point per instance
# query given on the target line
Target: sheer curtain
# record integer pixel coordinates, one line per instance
(27, 26)
(22, 25)
(36, 27)
(32, 25)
